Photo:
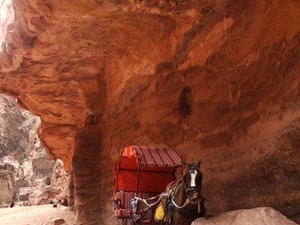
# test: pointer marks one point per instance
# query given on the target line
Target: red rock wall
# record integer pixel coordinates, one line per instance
(217, 79)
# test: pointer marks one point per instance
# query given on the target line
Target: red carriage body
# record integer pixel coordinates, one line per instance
(143, 172)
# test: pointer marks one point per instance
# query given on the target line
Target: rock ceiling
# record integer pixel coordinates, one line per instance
(193, 74)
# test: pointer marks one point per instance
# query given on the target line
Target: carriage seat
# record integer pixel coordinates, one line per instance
(122, 207)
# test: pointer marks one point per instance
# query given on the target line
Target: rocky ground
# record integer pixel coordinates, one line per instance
(46, 214)
(35, 215)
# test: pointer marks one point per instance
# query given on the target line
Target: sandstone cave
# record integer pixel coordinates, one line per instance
(217, 79)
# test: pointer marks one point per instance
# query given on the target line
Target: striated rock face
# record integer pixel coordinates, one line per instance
(218, 80)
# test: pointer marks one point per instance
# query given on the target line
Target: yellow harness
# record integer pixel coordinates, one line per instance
(159, 213)
(163, 212)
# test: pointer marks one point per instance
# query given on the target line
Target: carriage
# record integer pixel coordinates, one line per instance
(145, 180)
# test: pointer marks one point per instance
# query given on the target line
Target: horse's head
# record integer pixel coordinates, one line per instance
(192, 180)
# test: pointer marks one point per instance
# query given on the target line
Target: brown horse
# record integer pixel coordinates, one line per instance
(180, 203)
(188, 202)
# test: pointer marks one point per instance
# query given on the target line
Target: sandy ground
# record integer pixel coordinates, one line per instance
(33, 215)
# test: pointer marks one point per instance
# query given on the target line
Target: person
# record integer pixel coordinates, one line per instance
(12, 204)
(65, 202)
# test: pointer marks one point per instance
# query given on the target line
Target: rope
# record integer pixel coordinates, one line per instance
(187, 201)
(160, 196)
(150, 199)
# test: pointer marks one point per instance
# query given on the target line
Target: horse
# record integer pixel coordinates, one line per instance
(179, 204)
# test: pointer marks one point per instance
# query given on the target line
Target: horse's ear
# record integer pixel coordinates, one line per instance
(198, 164)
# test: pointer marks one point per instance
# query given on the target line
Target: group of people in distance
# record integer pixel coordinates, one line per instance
(63, 202)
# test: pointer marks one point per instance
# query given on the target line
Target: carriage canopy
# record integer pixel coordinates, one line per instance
(146, 169)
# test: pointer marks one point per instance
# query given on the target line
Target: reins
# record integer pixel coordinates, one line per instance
(169, 197)
(159, 197)
(187, 201)
(173, 193)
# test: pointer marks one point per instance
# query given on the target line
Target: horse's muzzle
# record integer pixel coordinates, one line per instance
(193, 194)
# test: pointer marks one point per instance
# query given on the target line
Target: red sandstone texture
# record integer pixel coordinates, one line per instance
(218, 80)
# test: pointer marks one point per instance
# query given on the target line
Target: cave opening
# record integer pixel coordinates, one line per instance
(7, 17)
(27, 176)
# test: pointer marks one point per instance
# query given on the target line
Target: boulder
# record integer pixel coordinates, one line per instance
(58, 221)
(55, 221)
(256, 216)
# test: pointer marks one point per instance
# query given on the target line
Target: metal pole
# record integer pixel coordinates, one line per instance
(137, 180)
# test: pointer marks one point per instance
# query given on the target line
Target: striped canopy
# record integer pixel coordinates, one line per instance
(156, 168)
(154, 157)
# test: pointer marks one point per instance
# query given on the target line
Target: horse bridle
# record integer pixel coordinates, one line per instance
(188, 189)
(192, 187)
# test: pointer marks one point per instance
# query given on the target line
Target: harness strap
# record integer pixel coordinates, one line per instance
(187, 201)
(168, 197)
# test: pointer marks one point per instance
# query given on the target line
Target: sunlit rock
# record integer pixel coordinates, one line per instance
(257, 216)
(27, 173)
(7, 16)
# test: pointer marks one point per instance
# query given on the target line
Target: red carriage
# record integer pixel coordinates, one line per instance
(143, 176)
